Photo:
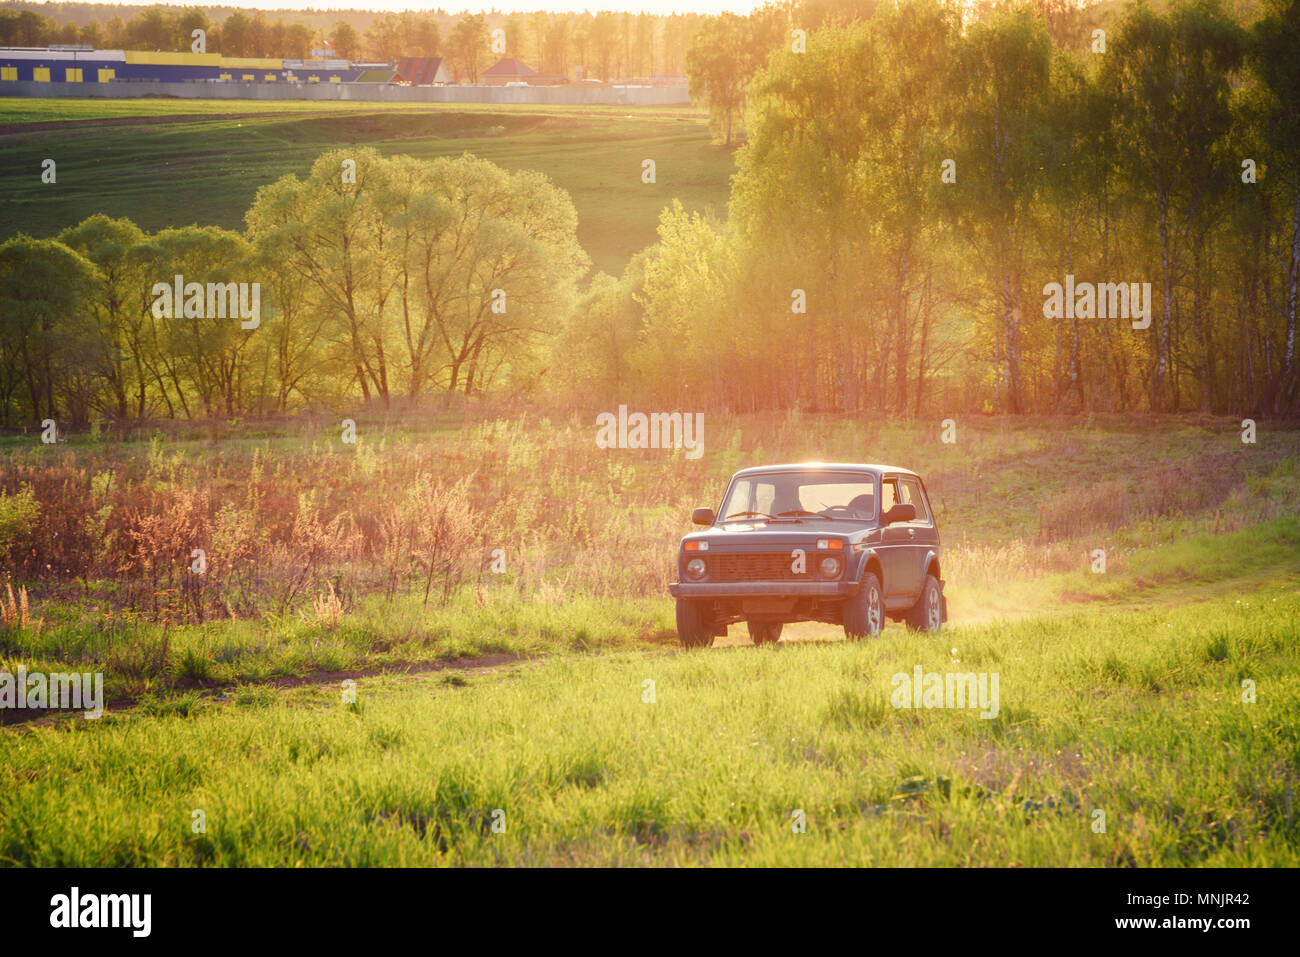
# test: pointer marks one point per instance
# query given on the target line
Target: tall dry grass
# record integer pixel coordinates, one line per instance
(282, 518)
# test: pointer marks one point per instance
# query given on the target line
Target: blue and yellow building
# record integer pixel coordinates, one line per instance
(78, 64)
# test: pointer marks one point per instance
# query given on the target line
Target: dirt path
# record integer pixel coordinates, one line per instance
(42, 716)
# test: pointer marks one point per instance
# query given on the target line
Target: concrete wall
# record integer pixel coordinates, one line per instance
(361, 92)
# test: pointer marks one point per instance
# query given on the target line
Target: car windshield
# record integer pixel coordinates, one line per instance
(847, 496)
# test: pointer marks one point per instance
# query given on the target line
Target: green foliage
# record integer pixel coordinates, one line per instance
(435, 274)
(914, 184)
(18, 513)
(45, 338)
(915, 180)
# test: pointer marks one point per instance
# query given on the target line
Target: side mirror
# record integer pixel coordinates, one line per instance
(900, 513)
(702, 516)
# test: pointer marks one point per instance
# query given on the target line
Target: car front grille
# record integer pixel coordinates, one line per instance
(747, 567)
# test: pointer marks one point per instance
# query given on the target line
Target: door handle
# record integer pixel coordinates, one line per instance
(911, 533)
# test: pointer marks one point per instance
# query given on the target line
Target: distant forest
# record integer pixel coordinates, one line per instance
(604, 45)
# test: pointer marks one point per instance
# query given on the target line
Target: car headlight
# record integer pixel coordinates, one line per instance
(695, 568)
(830, 567)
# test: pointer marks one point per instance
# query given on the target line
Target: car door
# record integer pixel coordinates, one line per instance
(922, 535)
(895, 545)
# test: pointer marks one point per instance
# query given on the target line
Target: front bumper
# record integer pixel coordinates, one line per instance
(782, 589)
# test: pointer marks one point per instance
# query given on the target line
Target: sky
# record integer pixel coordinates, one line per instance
(505, 6)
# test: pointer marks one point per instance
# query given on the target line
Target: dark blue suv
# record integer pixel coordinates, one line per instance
(844, 544)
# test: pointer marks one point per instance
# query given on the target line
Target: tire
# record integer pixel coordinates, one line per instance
(864, 613)
(764, 632)
(693, 627)
(927, 614)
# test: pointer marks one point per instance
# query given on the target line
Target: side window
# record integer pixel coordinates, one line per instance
(742, 498)
(888, 494)
(911, 492)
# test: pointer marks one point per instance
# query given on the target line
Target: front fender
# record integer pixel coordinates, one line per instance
(860, 566)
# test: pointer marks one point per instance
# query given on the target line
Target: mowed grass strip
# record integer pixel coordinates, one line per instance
(16, 110)
(178, 170)
(1139, 715)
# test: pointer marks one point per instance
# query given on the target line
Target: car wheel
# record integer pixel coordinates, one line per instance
(693, 627)
(927, 613)
(764, 632)
(864, 613)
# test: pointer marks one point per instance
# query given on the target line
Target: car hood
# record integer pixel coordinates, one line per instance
(782, 535)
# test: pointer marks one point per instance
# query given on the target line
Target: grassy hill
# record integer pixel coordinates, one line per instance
(173, 163)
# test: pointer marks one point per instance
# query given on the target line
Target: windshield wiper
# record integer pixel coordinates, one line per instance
(748, 515)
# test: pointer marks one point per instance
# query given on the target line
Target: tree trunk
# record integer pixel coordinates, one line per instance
(1166, 312)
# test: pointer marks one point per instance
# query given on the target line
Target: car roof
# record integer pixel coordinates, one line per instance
(823, 467)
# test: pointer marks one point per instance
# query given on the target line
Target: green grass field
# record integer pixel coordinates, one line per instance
(173, 163)
(1164, 694)
(1137, 715)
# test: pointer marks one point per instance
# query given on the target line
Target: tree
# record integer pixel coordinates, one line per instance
(467, 46)
(92, 34)
(202, 355)
(236, 35)
(816, 14)
(515, 28)
(433, 274)
(27, 28)
(1169, 76)
(261, 41)
(1004, 72)
(120, 358)
(1276, 60)
(724, 56)
(270, 38)
(298, 41)
(346, 40)
(489, 257)
(43, 285)
(592, 356)
(718, 70)
(424, 37)
(386, 37)
(556, 50)
(604, 38)
(188, 20)
(154, 29)
(115, 33)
